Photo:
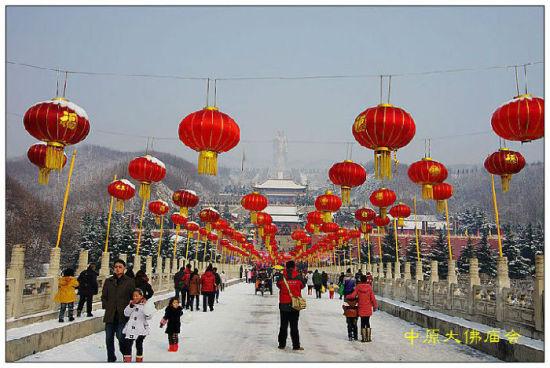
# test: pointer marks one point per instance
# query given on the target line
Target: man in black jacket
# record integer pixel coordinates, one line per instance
(87, 288)
(177, 282)
(115, 296)
(218, 283)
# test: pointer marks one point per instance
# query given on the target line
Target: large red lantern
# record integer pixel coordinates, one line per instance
(122, 190)
(269, 234)
(326, 204)
(383, 128)
(185, 199)
(146, 169)
(254, 202)
(158, 208)
(37, 155)
(178, 219)
(521, 119)
(347, 175)
(383, 198)
(315, 218)
(298, 235)
(505, 163)
(364, 214)
(59, 123)
(329, 227)
(209, 132)
(191, 226)
(263, 219)
(442, 192)
(400, 212)
(209, 215)
(427, 172)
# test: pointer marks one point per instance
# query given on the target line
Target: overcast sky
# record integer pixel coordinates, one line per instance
(277, 41)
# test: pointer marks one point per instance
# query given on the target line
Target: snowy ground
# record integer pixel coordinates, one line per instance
(244, 327)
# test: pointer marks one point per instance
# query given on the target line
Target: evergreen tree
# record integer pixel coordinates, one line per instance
(89, 237)
(463, 262)
(440, 253)
(411, 255)
(167, 245)
(518, 266)
(388, 246)
(365, 251)
(486, 257)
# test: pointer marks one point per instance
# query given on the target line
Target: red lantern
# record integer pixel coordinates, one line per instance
(347, 175)
(521, 119)
(400, 211)
(365, 214)
(220, 225)
(122, 190)
(326, 204)
(228, 232)
(191, 226)
(209, 215)
(329, 227)
(427, 172)
(212, 237)
(178, 219)
(158, 208)
(310, 228)
(442, 192)
(37, 155)
(209, 132)
(381, 221)
(315, 218)
(59, 123)
(185, 199)
(354, 234)
(382, 198)
(262, 219)
(298, 235)
(505, 163)
(146, 169)
(269, 233)
(254, 202)
(383, 128)
(366, 228)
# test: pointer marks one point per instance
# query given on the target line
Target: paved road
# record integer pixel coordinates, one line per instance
(244, 327)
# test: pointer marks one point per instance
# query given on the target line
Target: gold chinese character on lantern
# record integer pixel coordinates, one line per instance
(434, 170)
(511, 158)
(359, 124)
(68, 120)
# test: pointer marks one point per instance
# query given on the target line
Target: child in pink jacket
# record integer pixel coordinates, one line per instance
(366, 305)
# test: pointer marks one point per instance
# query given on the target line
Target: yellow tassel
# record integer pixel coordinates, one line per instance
(119, 205)
(184, 211)
(505, 181)
(208, 163)
(440, 206)
(346, 194)
(267, 239)
(315, 229)
(261, 231)
(383, 212)
(145, 191)
(253, 217)
(427, 191)
(400, 222)
(54, 156)
(382, 163)
(157, 220)
(208, 226)
(43, 176)
(327, 217)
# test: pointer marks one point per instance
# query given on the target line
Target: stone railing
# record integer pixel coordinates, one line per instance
(33, 299)
(494, 304)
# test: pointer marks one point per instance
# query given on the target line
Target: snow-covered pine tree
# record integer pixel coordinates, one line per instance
(90, 237)
(440, 253)
(411, 255)
(518, 266)
(486, 257)
(365, 251)
(167, 246)
(388, 246)
(463, 262)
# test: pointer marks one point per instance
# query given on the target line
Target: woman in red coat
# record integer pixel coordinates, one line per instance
(366, 305)
(208, 288)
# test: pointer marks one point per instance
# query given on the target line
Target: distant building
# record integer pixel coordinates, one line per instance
(280, 190)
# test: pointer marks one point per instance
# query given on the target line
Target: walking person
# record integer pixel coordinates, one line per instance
(184, 285)
(341, 285)
(218, 283)
(241, 272)
(366, 306)
(309, 282)
(87, 288)
(178, 282)
(66, 295)
(349, 282)
(142, 283)
(290, 284)
(324, 279)
(139, 311)
(171, 319)
(223, 276)
(331, 291)
(115, 296)
(317, 283)
(194, 290)
(208, 288)
(351, 313)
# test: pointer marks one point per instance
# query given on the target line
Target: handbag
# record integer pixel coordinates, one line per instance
(298, 303)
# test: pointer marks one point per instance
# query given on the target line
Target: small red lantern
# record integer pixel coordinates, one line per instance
(298, 235)
(427, 172)
(442, 192)
(59, 123)
(178, 219)
(383, 128)
(254, 202)
(37, 155)
(263, 219)
(521, 119)
(505, 163)
(383, 198)
(146, 169)
(192, 226)
(366, 228)
(209, 132)
(310, 228)
(326, 204)
(381, 221)
(185, 199)
(212, 237)
(315, 218)
(329, 227)
(269, 233)
(347, 175)
(122, 190)
(158, 208)
(209, 215)
(400, 211)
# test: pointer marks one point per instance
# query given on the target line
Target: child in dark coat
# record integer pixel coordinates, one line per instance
(171, 319)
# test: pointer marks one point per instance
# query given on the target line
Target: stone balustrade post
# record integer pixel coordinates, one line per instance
(407, 273)
(16, 270)
(397, 273)
(149, 266)
(451, 274)
(174, 265)
(104, 269)
(388, 271)
(159, 265)
(419, 272)
(137, 263)
(434, 274)
(502, 281)
(166, 265)
(538, 293)
(374, 270)
(82, 261)
(474, 272)
(53, 269)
